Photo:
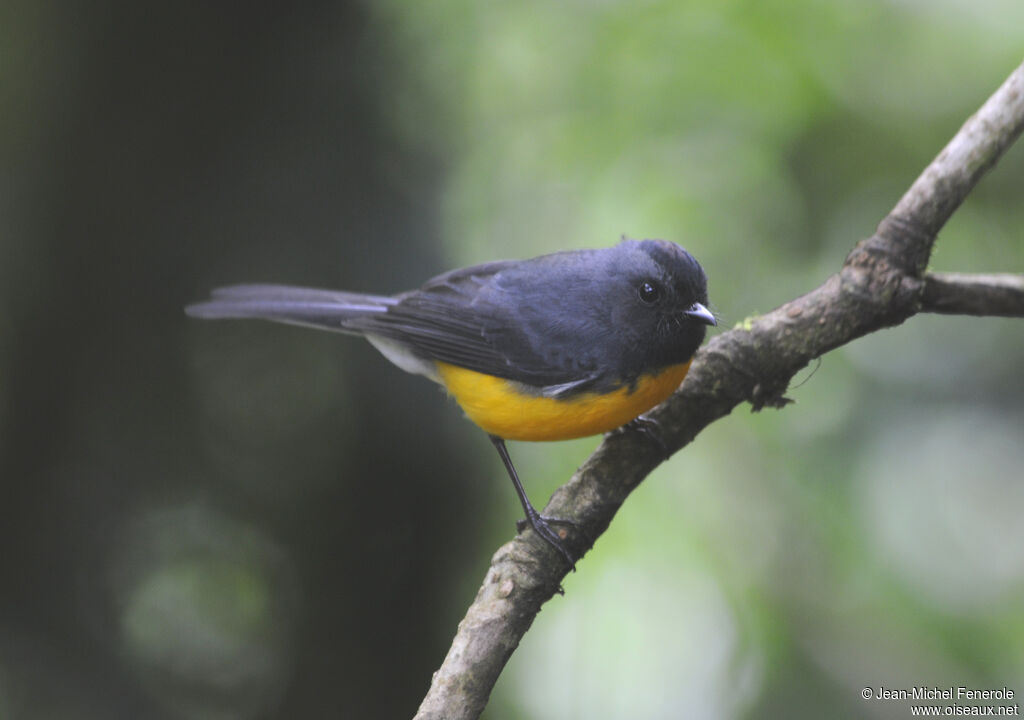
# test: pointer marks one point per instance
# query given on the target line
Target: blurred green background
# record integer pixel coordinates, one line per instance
(240, 520)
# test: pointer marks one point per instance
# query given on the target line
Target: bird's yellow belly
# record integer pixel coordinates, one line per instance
(501, 408)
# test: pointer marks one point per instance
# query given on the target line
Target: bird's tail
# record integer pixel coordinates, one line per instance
(323, 309)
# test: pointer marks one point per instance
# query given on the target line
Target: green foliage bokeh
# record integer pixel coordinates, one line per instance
(785, 560)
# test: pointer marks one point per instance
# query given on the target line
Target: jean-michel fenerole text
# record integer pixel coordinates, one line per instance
(943, 693)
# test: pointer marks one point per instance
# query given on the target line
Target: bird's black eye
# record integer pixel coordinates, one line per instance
(649, 291)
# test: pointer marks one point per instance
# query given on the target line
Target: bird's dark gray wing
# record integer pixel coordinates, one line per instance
(495, 319)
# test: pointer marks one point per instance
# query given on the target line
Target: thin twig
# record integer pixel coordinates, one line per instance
(881, 284)
(965, 294)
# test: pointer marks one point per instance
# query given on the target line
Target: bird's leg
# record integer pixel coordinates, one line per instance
(540, 524)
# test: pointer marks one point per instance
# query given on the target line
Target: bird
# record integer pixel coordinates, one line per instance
(564, 345)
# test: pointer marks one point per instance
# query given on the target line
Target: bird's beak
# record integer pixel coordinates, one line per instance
(701, 314)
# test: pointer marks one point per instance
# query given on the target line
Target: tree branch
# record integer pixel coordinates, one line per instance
(880, 284)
